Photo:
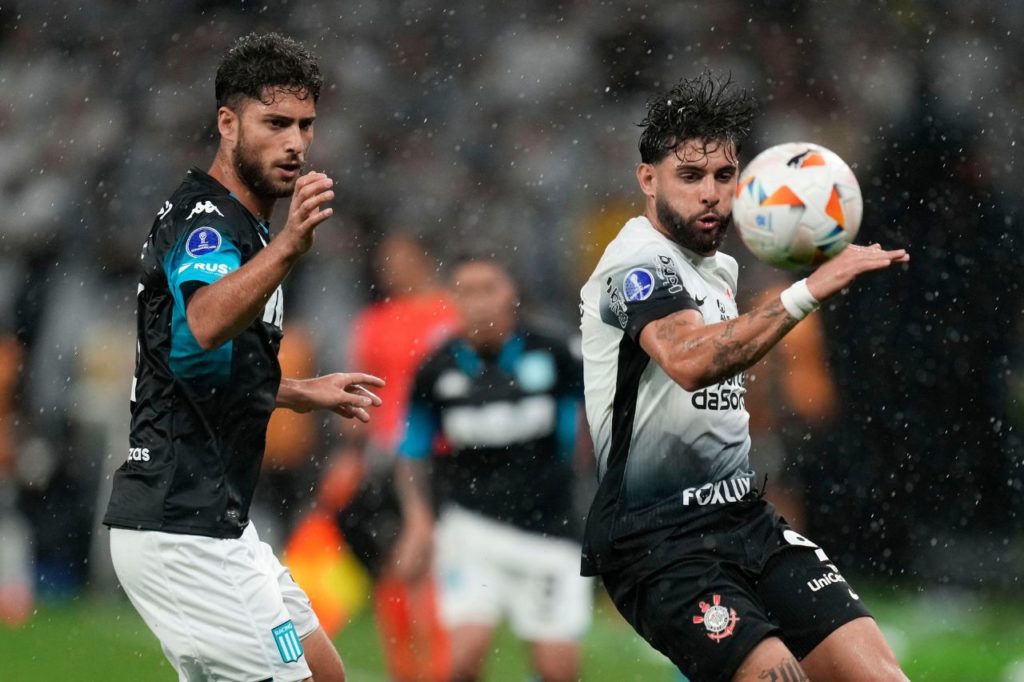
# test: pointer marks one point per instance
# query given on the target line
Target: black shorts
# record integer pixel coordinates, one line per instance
(706, 599)
(372, 521)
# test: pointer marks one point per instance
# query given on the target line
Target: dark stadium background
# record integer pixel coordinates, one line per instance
(512, 123)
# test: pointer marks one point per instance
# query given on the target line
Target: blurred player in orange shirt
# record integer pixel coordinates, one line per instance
(392, 337)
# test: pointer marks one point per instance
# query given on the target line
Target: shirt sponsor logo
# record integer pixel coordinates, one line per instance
(203, 207)
(719, 621)
(202, 241)
(616, 304)
(138, 454)
(725, 395)
(664, 267)
(499, 424)
(638, 284)
(731, 490)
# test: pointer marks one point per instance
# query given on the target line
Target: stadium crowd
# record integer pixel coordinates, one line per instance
(510, 124)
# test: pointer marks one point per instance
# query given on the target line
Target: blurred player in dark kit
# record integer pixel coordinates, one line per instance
(210, 312)
(389, 339)
(494, 413)
(700, 565)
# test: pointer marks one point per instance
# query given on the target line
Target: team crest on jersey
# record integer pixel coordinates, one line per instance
(719, 621)
(638, 285)
(288, 643)
(202, 241)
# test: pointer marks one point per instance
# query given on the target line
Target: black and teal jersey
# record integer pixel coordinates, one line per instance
(198, 418)
(502, 429)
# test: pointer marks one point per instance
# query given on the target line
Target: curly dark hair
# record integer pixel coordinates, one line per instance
(257, 62)
(705, 108)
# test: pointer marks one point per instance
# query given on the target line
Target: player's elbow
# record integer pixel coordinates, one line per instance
(206, 341)
(689, 374)
(204, 334)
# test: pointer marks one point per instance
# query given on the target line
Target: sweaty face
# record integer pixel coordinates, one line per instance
(272, 142)
(693, 191)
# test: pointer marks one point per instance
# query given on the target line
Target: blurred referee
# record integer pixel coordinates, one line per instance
(207, 378)
(695, 560)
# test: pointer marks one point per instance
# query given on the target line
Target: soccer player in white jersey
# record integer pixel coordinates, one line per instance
(700, 565)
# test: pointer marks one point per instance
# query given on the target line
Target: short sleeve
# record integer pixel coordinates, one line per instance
(202, 255)
(422, 423)
(643, 290)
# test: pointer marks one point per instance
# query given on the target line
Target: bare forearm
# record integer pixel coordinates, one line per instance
(220, 311)
(412, 481)
(291, 396)
(699, 356)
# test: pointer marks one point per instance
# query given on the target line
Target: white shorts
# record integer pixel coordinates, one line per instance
(223, 609)
(488, 570)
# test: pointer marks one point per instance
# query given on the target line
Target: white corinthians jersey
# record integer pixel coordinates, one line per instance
(664, 454)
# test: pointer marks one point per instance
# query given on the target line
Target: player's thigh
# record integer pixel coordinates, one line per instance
(546, 598)
(807, 595)
(855, 651)
(294, 597)
(770, 660)
(702, 614)
(471, 585)
(216, 610)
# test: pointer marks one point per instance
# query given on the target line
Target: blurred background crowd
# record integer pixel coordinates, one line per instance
(513, 125)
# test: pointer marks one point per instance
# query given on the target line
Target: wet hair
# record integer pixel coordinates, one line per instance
(704, 108)
(257, 62)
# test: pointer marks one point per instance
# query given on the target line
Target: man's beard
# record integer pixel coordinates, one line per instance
(686, 232)
(253, 176)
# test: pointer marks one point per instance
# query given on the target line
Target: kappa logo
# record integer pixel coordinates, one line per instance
(165, 210)
(719, 621)
(204, 207)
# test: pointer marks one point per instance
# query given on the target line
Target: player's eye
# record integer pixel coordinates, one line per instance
(305, 125)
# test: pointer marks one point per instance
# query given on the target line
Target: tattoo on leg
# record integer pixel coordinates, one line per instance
(788, 670)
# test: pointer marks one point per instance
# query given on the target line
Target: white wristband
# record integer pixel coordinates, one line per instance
(798, 301)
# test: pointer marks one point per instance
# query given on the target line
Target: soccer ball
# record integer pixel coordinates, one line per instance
(797, 205)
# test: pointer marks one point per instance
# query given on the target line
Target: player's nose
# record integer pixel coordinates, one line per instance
(709, 191)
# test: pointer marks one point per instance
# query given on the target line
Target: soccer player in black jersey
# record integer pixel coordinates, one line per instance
(210, 313)
(692, 556)
(495, 410)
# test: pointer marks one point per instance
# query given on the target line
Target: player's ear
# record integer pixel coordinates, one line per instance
(645, 176)
(227, 123)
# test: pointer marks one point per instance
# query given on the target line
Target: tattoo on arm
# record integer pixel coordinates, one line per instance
(788, 670)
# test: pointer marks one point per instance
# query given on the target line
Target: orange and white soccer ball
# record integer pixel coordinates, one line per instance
(797, 205)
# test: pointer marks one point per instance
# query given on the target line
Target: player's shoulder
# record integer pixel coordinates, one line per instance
(637, 244)
(535, 338)
(728, 268)
(445, 356)
(198, 202)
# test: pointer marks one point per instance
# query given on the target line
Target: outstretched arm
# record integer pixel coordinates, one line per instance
(344, 393)
(696, 355)
(219, 312)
